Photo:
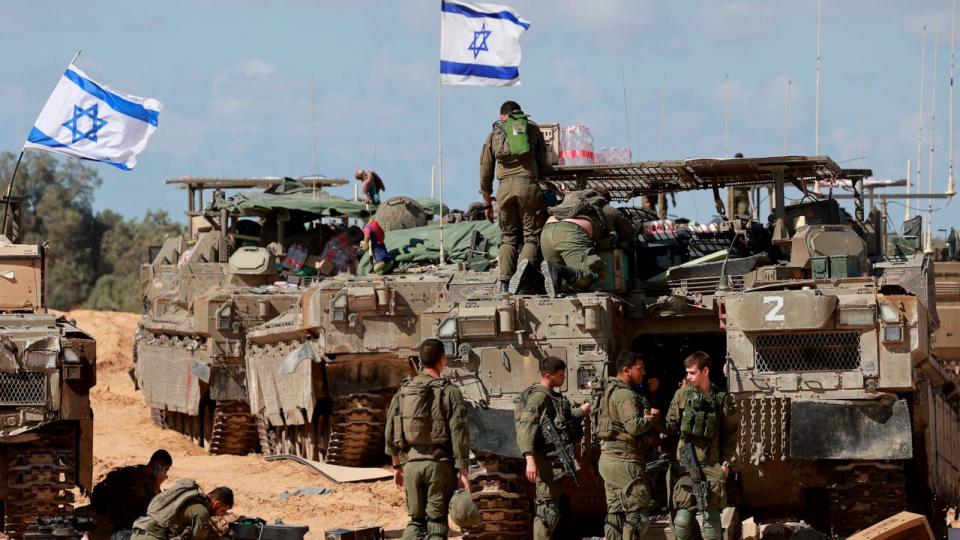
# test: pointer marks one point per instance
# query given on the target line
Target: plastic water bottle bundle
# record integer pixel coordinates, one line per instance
(576, 146)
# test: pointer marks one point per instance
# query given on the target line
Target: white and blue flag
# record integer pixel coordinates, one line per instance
(480, 44)
(85, 119)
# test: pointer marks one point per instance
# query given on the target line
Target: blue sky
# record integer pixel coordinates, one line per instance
(235, 80)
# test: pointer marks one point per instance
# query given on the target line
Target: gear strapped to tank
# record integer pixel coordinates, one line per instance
(585, 203)
(701, 414)
(423, 417)
(511, 138)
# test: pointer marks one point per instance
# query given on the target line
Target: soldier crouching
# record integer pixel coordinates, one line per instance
(536, 402)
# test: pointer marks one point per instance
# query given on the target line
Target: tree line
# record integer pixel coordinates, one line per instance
(93, 258)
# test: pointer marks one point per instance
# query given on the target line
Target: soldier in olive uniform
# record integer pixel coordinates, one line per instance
(535, 402)
(581, 223)
(428, 441)
(623, 418)
(522, 210)
(706, 418)
(184, 514)
(125, 493)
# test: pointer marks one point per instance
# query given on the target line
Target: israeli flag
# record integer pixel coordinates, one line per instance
(480, 44)
(87, 120)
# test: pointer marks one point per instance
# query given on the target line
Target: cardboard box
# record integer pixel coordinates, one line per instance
(551, 136)
(616, 270)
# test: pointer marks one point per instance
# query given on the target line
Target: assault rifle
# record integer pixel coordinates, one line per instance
(698, 483)
(58, 527)
(563, 452)
(657, 465)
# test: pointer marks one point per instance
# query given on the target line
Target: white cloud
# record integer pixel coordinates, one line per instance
(736, 21)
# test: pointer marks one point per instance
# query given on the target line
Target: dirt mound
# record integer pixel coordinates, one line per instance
(125, 435)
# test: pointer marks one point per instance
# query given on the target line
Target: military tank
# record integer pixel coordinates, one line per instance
(47, 368)
(847, 415)
(241, 264)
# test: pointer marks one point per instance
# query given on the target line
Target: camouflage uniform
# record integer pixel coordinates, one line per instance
(192, 522)
(621, 425)
(711, 453)
(536, 402)
(430, 470)
(522, 210)
(123, 494)
(567, 243)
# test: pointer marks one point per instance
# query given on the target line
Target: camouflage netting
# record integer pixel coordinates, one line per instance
(421, 245)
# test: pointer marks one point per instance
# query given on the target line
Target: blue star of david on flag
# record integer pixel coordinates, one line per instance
(462, 42)
(483, 34)
(95, 123)
(101, 124)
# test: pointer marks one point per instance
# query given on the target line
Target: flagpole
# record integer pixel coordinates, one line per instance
(6, 206)
(440, 142)
(76, 56)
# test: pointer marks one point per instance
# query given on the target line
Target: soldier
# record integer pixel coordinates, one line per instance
(517, 149)
(427, 438)
(707, 420)
(370, 185)
(373, 241)
(125, 492)
(623, 418)
(183, 512)
(582, 222)
(534, 403)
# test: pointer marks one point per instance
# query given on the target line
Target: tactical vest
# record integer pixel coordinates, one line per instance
(423, 415)
(560, 408)
(511, 137)
(609, 425)
(163, 509)
(585, 203)
(701, 414)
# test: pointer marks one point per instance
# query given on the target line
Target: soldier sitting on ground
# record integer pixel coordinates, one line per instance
(125, 492)
(183, 512)
(581, 223)
(534, 403)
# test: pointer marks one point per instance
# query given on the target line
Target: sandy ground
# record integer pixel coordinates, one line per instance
(124, 435)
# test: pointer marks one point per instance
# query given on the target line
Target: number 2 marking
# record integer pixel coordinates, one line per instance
(774, 313)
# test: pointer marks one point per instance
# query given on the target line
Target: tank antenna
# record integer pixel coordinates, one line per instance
(313, 104)
(626, 110)
(786, 117)
(923, 59)
(933, 138)
(816, 149)
(953, 45)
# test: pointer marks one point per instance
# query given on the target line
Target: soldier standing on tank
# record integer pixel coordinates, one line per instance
(428, 441)
(624, 417)
(370, 186)
(584, 221)
(706, 418)
(539, 400)
(516, 149)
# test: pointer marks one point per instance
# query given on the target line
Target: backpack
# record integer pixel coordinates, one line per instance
(511, 137)
(585, 203)
(164, 506)
(423, 416)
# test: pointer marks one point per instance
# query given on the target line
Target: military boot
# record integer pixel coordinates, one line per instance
(555, 276)
(518, 276)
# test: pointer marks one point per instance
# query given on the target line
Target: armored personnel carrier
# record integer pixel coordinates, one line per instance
(240, 265)
(47, 367)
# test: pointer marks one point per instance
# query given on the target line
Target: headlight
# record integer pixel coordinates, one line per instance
(892, 334)
(889, 314)
(857, 316)
(447, 329)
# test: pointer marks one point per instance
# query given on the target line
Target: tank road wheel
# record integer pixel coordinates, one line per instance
(865, 493)
(267, 436)
(40, 476)
(356, 429)
(498, 487)
(234, 430)
(159, 418)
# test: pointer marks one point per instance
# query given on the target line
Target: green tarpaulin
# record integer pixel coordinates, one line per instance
(421, 245)
(320, 204)
(432, 206)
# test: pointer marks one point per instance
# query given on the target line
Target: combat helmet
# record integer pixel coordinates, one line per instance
(464, 511)
(400, 213)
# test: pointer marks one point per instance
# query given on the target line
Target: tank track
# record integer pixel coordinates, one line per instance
(357, 424)
(39, 479)
(227, 428)
(351, 435)
(864, 494)
(501, 492)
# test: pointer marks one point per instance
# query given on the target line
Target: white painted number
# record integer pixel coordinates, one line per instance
(774, 313)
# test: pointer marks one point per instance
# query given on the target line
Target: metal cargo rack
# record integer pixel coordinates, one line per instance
(628, 180)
